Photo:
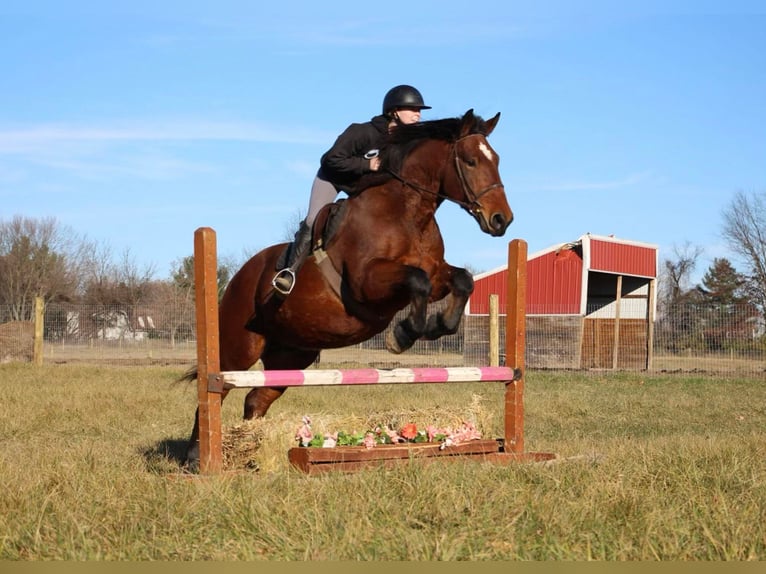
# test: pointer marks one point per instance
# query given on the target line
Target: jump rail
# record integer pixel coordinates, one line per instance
(211, 381)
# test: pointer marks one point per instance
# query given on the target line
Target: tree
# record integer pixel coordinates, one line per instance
(676, 275)
(38, 258)
(722, 284)
(744, 229)
(677, 326)
(183, 275)
(724, 311)
(177, 297)
(120, 283)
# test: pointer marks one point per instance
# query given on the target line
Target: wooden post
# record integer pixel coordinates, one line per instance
(650, 324)
(617, 312)
(515, 341)
(37, 349)
(208, 351)
(494, 331)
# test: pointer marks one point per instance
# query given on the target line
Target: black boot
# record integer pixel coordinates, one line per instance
(284, 280)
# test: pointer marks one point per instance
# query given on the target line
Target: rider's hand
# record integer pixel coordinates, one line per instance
(375, 164)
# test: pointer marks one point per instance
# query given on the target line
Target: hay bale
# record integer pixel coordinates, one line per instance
(17, 340)
(241, 444)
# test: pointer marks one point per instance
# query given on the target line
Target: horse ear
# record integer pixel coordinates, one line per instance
(469, 120)
(491, 123)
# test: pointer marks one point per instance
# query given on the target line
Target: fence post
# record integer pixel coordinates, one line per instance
(208, 351)
(515, 341)
(494, 331)
(37, 349)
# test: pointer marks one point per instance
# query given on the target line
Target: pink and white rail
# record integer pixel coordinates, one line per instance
(325, 377)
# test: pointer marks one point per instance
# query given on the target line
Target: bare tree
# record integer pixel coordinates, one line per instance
(38, 258)
(172, 310)
(99, 275)
(677, 325)
(744, 229)
(292, 225)
(675, 277)
(134, 280)
(115, 283)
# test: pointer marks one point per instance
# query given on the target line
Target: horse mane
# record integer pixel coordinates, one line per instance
(405, 138)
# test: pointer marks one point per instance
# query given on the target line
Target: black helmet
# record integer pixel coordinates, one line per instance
(403, 97)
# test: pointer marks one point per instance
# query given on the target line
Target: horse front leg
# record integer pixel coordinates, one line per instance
(457, 284)
(412, 327)
(275, 358)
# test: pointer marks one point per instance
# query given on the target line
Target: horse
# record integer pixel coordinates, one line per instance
(387, 252)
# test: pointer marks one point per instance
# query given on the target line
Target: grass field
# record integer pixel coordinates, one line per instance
(653, 468)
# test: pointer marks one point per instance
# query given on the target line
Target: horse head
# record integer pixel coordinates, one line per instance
(475, 182)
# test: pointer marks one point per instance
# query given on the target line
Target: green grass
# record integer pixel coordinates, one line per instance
(653, 468)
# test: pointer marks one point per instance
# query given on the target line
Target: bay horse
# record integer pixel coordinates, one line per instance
(387, 251)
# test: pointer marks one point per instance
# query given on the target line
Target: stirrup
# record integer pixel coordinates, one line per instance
(286, 274)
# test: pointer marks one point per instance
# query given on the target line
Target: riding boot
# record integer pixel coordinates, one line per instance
(284, 280)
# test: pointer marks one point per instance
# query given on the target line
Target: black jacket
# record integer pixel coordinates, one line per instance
(344, 163)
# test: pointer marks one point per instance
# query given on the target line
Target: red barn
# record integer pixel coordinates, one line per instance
(590, 303)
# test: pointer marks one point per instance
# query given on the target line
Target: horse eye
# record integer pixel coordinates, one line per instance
(471, 162)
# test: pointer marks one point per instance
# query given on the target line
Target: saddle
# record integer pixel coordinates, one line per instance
(325, 227)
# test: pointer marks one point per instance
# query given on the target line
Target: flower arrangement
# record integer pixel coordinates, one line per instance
(380, 434)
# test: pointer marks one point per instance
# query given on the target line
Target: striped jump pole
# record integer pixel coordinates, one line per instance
(211, 381)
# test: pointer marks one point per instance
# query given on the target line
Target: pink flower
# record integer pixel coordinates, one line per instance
(304, 434)
(394, 436)
(369, 440)
(465, 433)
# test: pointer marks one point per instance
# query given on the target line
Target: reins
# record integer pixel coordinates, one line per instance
(473, 198)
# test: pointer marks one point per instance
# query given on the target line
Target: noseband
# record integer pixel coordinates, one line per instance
(472, 204)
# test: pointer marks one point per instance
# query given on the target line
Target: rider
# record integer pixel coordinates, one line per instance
(354, 154)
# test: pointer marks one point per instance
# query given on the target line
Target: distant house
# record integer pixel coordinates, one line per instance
(590, 304)
(108, 325)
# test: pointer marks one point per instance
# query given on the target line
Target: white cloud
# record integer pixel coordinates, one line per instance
(48, 136)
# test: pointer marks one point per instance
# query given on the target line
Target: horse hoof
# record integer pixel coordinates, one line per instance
(191, 466)
(392, 344)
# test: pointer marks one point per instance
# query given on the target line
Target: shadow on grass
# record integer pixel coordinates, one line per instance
(166, 456)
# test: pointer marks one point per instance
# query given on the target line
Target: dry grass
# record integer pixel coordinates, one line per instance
(16, 341)
(659, 468)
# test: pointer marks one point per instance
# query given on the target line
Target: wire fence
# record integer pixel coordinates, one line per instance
(705, 341)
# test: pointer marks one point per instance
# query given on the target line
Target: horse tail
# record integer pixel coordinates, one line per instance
(188, 376)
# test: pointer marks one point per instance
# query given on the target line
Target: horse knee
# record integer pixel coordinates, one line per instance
(462, 283)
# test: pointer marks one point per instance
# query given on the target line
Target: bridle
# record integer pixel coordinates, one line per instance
(472, 204)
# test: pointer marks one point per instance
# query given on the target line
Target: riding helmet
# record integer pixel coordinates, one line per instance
(403, 97)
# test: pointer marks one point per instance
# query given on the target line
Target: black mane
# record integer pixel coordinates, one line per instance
(402, 140)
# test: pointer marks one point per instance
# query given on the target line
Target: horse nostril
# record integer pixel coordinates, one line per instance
(498, 222)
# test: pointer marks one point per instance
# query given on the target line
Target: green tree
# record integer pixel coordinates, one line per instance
(722, 284)
(183, 275)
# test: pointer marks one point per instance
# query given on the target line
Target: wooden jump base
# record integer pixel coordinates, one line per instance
(211, 381)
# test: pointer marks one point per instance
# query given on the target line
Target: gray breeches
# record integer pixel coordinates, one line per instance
(322, 193)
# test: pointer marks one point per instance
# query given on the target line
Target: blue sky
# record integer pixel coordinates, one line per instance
(136, 122)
